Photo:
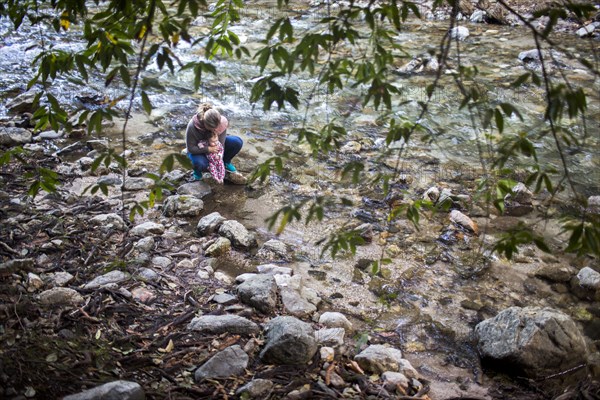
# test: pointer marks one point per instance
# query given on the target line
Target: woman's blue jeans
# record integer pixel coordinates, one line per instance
(233, 145)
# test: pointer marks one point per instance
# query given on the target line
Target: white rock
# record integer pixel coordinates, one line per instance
(335, 320)
(589, 278)
(112, 277)
(34, 282)
(147, 228)
(459, 32)
(327, 353)
(59, 278)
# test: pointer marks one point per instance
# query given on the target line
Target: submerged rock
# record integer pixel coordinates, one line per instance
(289, 341)
(117, 390)
(230, 362)
(534, 341)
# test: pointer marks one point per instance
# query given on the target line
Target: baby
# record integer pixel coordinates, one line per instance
(216, 167)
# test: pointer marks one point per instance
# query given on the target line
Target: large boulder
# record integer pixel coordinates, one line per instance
(230, 362)
(117, 390)
(289, 341)
(259, 291)
(533, 341)
(11, 136)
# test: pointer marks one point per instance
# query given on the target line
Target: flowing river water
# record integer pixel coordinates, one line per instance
(432, 294)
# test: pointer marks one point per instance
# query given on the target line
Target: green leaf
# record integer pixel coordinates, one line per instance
(146, 103)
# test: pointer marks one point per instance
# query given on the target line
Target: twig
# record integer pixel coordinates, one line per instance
(17, 314)
(8, 248)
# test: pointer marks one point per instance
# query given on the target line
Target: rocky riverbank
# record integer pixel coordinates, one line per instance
(186, 303)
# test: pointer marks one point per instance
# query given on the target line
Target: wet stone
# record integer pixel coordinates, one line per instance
(230, 362)
(121, 390)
